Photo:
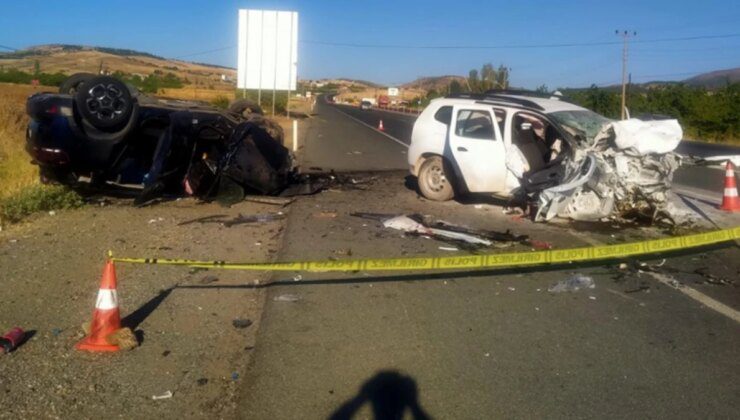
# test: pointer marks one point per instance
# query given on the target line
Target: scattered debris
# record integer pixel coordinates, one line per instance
(573, 283)
(164, 396)
(448, 248)
(208, 279)
(287, 298)
(234, 376)
(238, 220)
(202, 381)
(12, 339)
(463, 237)
(511, 289)
(297, 277)
(274, 201)
(325, 215)
(541, 245)
(158, 219)
(241, 323)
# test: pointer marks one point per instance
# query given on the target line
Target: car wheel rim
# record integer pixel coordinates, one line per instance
(106, 101)
(436, 180)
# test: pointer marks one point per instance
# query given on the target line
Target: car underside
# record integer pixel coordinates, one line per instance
(100, 130)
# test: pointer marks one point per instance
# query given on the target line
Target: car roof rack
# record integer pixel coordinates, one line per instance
(490, 97)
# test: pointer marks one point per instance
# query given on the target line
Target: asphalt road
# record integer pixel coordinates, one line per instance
(482, 344)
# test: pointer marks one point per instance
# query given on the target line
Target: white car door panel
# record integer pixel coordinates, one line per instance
(477, 147)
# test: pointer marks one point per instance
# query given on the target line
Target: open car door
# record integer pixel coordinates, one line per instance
(478, 148)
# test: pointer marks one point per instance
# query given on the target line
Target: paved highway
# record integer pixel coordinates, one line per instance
(474, 344)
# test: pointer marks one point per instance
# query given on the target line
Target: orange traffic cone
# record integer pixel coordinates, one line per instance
(730, 200)
(380, 126)
(106, 318)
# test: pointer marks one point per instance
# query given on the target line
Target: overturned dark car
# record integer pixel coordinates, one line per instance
(102, 132)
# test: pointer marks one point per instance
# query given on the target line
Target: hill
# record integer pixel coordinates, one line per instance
(438, 83)
(71, 59)
(715, 79)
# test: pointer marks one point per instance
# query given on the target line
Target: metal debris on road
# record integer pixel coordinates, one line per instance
(573, 283)
(238, 220)
(274, 201)
(208, 279)
(287, 298)
(241, 323)
(164, 396)
(466, 238)
(12, 339)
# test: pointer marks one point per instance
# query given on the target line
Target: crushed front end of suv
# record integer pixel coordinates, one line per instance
(102, 132)
(559, 158)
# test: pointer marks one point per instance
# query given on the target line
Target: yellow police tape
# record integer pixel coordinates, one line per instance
(517, 259)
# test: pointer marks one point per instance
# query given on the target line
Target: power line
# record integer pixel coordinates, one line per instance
(8, 48)
(513, 46)
(205, 52)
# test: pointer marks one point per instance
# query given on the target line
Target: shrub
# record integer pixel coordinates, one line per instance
(220, 102)
(38, 198)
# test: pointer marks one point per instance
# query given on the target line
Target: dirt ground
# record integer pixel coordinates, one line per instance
(50, 268)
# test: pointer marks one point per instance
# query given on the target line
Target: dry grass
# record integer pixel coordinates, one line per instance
(16, 171)
(70, 62)
(194, 93)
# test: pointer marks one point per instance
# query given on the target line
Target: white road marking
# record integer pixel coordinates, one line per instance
(691, 292)
(697, 296)
(372, 128)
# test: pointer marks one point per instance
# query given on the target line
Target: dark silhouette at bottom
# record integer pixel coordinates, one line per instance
(390, 394)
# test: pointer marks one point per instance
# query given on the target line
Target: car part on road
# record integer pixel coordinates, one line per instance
(435, 179)
(573, 283)
(12, 339)
(241, 323)
(238, 220)
(466, 238)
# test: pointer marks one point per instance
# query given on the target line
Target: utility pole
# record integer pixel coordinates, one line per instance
(625, 36)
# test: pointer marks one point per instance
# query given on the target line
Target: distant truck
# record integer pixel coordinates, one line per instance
(369, 100)
(383, 101)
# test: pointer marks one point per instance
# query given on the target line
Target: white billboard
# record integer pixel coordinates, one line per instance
(268, 50)
(392, 91)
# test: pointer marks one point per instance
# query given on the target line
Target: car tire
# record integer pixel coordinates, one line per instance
(436, 179)
(105, 103)
(73, 82)
(245, 107)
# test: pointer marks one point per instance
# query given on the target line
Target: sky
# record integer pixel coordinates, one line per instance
(519, 34)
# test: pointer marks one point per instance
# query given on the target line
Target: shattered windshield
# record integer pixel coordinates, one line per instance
(586, 123)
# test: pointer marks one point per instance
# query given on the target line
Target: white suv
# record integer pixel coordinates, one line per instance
(509, 142)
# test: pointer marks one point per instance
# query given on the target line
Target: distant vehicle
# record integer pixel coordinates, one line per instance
(383, 101)
(99, 129)
(532, 147)
(366, 105)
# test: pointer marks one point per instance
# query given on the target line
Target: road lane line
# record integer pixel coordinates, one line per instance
(689, 291)
(371, 127)
(697, 296)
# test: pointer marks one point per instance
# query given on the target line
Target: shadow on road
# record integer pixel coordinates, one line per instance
(390, 394)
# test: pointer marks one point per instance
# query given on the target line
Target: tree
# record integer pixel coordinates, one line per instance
(36, 68)
(542, 89)
(473, 82)
(455, 87)
(502, 77)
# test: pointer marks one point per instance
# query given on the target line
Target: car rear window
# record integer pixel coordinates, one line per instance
(444, 115)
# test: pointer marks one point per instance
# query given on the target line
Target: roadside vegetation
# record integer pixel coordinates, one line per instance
(20, 193)
(705, 115)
